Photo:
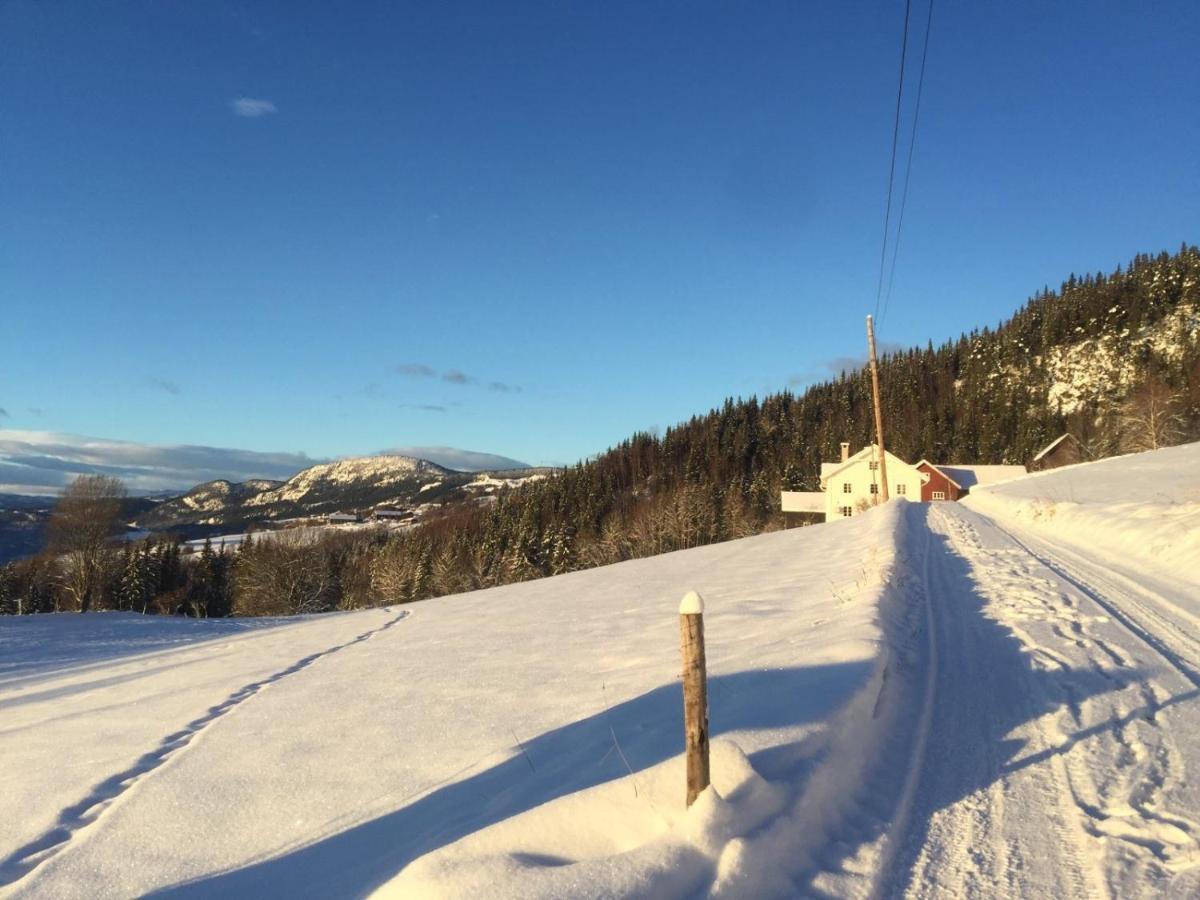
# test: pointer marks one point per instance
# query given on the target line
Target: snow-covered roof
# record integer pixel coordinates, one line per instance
(802, 501)
(867, 452)
(1050, 446)
(942, 469)
(967, 477)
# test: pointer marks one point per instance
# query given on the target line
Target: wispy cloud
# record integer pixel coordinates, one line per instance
(457, 377)
(43, 462)
(839, 364)
(424, 407)
(252, 107)
(36, 411)
(164, 385)
(415, 370)
(3, 413)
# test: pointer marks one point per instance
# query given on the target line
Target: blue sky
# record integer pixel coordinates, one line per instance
(533, 228)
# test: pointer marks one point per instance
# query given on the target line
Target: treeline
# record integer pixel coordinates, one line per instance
(990, 396)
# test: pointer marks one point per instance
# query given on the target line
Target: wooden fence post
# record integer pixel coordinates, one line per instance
(695, 693)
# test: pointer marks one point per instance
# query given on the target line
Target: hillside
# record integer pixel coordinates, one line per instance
(919, 696)
(991, 396)
(359, 483)
(1114, 359)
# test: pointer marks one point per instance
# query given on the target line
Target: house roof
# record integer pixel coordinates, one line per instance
(830, 469)
(1054, 443)
(803, 501)
(967, 477)
(941, 469)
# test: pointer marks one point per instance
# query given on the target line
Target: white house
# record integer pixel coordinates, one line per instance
(852, 485)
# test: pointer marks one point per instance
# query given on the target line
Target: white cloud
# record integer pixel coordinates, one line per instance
(462, 460)
(43, 462)
(252, 108)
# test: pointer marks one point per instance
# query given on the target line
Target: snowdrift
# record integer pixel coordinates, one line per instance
(1142, 509)
(520, 741)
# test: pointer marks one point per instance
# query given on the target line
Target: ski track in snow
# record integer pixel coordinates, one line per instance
(1049, 764)
(78, 816)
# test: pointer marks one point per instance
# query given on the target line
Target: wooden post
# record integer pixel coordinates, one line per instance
(695, 693)
(883, 485)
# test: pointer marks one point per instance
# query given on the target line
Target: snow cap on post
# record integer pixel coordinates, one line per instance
(692, 604)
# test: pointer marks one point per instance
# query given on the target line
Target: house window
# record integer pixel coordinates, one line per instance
(901, 489)
(874, 489)
(847, 488)
(847, 511)
(939, 495)
(874, 465)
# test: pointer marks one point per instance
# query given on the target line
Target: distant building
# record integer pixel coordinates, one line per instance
(341, 518)
(938, 484)
(852, 485)
(1064, 450)
(392, 515)
(803, 501)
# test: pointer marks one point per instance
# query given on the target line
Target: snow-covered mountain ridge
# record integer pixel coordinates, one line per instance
(357, 472)
(353, 484)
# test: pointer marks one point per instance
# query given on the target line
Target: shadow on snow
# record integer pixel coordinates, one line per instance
(560, 762)
(966, 753)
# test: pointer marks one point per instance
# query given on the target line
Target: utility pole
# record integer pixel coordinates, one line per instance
(883, 484)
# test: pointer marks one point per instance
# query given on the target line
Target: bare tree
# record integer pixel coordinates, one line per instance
(83, 521)
(281, 576)
(1152, 417)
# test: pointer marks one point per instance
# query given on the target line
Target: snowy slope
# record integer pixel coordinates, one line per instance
(288, 757)
(929, 700)
(1140, 513)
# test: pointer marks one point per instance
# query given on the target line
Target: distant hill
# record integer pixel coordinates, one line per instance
(360, 484)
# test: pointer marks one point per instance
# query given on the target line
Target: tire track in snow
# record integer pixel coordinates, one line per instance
(79, 816)
(975, 812)
(912, 779)
(1172, 655)
(1119, 797)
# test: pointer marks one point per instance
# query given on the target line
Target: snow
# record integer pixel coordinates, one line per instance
(803, 501)
(488, 482)
(1141, 510)
(474, 711)
(379, 471)
(969, 477)
(927, 700)
(1106, 367)
(692, 604)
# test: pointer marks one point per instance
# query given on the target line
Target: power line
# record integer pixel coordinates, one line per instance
(887, 216)
(908, 168)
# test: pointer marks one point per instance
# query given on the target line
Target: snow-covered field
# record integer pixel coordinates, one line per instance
(322, 756)
(1139, 514)
(927, 700)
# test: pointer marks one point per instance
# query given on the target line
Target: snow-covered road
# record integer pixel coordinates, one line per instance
(1063, 715)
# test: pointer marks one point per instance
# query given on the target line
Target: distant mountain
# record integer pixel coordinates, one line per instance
(22, 528)
(361, 484)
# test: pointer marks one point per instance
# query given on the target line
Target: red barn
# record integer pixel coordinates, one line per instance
(940, 486)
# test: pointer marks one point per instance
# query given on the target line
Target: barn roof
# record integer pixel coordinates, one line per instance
(967, 477)
(941, 469)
